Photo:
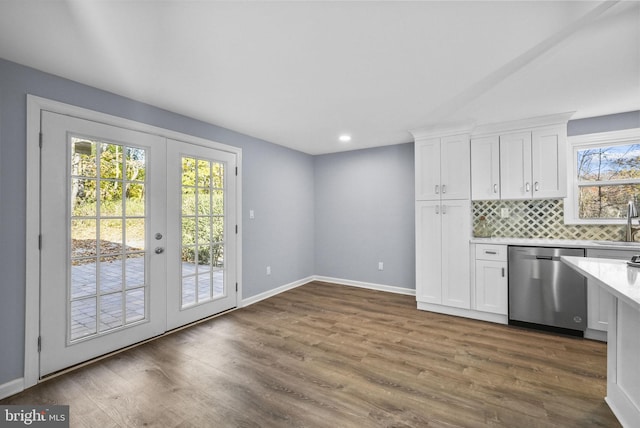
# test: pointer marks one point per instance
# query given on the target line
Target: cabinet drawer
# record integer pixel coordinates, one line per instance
(491, 252)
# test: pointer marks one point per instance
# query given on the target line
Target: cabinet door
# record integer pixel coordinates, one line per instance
(428, 254)
(549, 162)
(598, 300)
(455, 167)
(485, 168)
(515, 166)
(491, 286)
(427, 162)
(456, 230)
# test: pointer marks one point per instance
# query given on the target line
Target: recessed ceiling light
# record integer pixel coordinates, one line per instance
(345, 138)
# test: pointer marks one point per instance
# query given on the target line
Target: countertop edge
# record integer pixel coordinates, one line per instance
(564, 243)
(605, 283)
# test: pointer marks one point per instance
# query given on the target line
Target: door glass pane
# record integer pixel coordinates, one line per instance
(107, 230)
(203, 230)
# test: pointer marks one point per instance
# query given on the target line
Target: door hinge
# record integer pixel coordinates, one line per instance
(39, 242)
(40, 140)
(39, 343)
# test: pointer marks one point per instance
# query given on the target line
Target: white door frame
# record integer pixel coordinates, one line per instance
(32, 275)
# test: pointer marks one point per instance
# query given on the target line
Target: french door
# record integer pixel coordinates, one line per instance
(138, 237)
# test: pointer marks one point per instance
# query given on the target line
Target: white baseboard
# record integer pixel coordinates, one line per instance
(595, 335)
(10, 388)
(465, 313)
(369, 285)
(258, 297)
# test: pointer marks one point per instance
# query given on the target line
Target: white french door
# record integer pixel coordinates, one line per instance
(138, 237)
(201, 218)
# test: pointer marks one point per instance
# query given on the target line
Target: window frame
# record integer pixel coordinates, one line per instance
(588, 141)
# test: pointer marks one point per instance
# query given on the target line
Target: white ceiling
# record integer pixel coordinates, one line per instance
(300, 73)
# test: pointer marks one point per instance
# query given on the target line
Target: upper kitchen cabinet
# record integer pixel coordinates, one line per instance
(442, 167)
(533, 165)
(485, 168)
(520, 160)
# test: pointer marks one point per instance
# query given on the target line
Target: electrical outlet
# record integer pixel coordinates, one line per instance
(268, 270)
(380, 266)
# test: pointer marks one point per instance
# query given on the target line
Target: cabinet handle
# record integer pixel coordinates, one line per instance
(536, 186)
(495, 188)
(491, 252)
(503, 272)
(444, 188)
(444, 209)
(527, 187)
(437, 189)
(437, 209)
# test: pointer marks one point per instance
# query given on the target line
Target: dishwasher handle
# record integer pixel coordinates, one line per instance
(547, 258)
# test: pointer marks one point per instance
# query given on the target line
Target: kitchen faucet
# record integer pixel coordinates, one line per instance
(632, 212)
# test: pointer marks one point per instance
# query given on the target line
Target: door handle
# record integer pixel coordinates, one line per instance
(495, 188)
(536, 186)
(437, 209)
(527, 187)
(444, 188)
(437, 189)
(159, 250)
(444, 209)
(503, 272)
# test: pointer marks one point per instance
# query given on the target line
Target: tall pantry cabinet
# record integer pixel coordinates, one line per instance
(443, 221)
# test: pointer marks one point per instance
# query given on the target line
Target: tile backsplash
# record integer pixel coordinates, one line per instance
(538, 219)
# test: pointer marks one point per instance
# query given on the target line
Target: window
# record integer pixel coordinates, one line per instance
(604, 177)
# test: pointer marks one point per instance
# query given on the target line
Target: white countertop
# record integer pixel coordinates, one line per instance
(615, 276)
(565, 243)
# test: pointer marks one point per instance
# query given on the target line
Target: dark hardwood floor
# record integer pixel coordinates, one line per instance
(326, 355)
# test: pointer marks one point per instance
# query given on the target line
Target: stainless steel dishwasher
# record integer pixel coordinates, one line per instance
(544, 293)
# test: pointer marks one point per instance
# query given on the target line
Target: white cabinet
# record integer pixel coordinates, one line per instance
(442, 247)
(485, 168)
(491, 279)
(524, 164)
(442, 168)
(598, 300)
(533, 164)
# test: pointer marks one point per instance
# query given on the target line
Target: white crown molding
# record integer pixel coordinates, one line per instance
(442, 130)
(521, 124)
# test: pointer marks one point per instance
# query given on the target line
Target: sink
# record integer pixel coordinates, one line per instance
(618, 244)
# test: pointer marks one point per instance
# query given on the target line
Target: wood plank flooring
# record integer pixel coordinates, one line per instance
(325, 355)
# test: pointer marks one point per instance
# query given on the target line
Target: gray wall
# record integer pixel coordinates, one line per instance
(365, 214)
(611, 122)
(277, 183)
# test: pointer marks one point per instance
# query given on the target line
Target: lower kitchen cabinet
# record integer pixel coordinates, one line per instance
(491, 279)
(442, 247)
(598, 300)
